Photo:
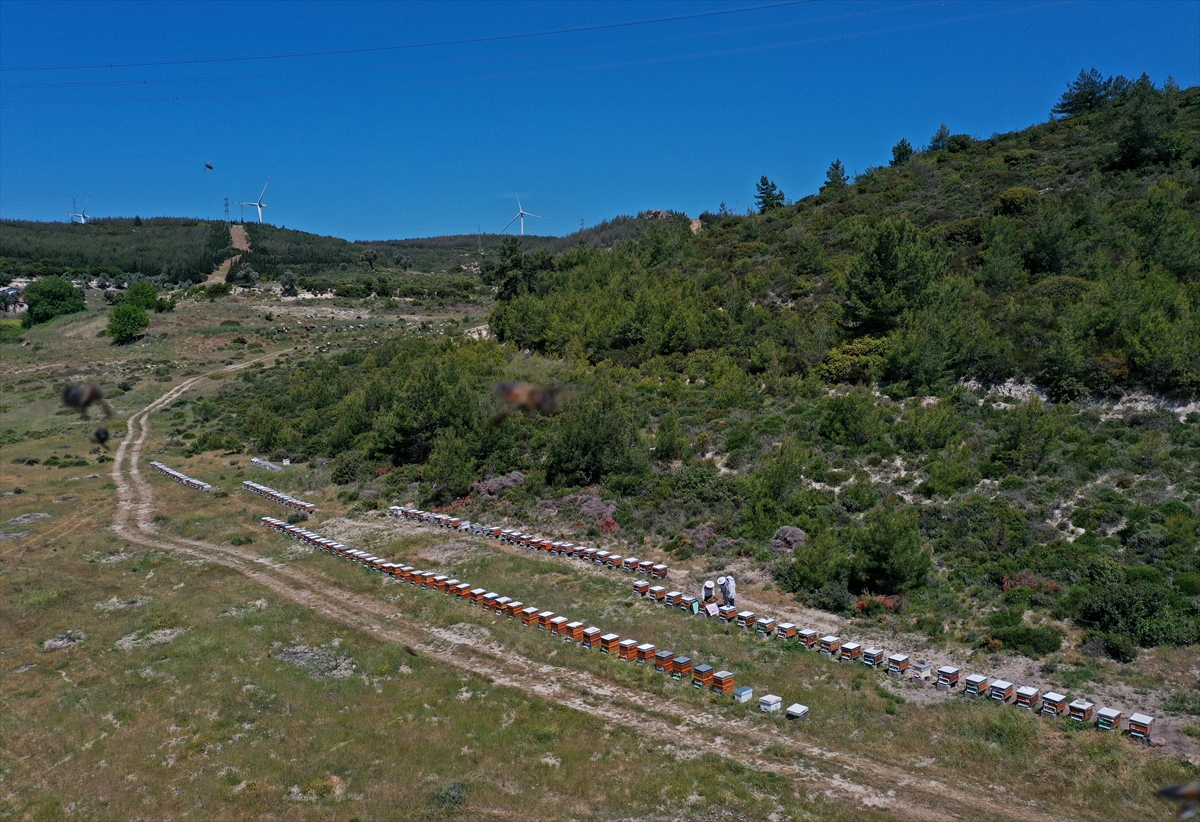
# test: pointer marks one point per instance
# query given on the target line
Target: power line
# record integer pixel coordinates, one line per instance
(545, 72)
(430, 44)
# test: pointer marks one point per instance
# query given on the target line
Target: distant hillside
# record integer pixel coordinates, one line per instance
(174, 250)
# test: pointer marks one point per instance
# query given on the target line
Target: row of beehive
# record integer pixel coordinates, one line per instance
(948, 676)
(180, 477)
(261, 463)
(279, 496)
(644, 653)
(512, 536)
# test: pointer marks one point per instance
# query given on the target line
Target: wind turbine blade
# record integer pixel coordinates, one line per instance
(510, 222)
(85, 204)
(264, 191)
(539, 216)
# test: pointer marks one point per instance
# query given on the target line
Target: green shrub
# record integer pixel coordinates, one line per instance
(126, 322)
(50, 297)
(1016, 201)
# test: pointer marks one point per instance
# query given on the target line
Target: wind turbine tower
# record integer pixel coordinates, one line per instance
(82, 215)
(521, 215)
(259, 204)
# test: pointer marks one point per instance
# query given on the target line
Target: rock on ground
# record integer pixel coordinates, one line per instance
(788, 539)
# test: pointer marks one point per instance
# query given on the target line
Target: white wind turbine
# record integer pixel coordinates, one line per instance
(259, 204)
(521, 215)
(82, 215)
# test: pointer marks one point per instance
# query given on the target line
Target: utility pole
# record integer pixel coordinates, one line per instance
(479, 228)
(226, 212)
(580, 225)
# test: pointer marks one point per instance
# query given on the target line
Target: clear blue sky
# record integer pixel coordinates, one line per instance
(428, 139)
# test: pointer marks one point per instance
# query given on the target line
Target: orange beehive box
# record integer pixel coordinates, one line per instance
(529, 616)
(513, 609)
(1141, 726)
(543, 620)
(851, 651)
(672, 598)
(702, 676)
(641, 587)
(1081, 710)
(808, 638)
(765, 625)
(614, 560)
(601, 557)
(662, 661)
(610, 643)
(488, 601)
(727, 613)
(644, 566)
(659, 571)
(745, 619)
(645, 653)
(450, 585)
(722, 682)
(439, 581)
(591, 637)
(785, 631)
(627, 649)
(831, 645)
(427, 579)
(405, 573)
(476, 595)
(681, 668)
(630, 564)
(558, 625)
(462, 590)
(657, 592)
(500, 606)
(573, 632)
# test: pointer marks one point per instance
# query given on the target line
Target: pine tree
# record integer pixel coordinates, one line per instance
(835, 177)
(902, 152)
(1089, 91)
(769, 197)
(940, 139)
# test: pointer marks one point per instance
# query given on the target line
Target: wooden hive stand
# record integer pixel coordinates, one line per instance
(1080, 710)
(1141, 726)
(627, 650)
(681, 668)
(1001, 690)
(1027, 697)
(722, 682)
(1054, 704)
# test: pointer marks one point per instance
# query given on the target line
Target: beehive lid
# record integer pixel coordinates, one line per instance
(923, 666)
(743, 694)
(631, 560)
(646, 647)
(530, 611)
(1027, 690)
(808, 633)
(1081, 705)
(683, 660)
(976, 679)
(657, 589)
(516, 605)
(491, 595)
(851, 646)
(948, 670)
(574, 625)
(744, 615)
(796, 710)
(688, 598)
(1054, 697)
(664, 655)
(660, 567)
(770, 702)
(830, 639)
(626, 643)
(503, 601)
(546, 615)
(451, 583)
(723, 675)
(560, 620)
(786, 626)
(1109, 713)
(1141, 719)
(592, 631)
(616, 559)
(766, 620)
(702, 669)
(874, 652)
(673, 594)
(1001, 685)
(611, 637)
(603, 554)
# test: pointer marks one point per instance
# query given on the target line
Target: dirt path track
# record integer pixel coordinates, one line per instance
(814, 769)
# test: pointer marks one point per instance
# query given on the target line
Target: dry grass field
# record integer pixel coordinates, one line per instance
(163, 656)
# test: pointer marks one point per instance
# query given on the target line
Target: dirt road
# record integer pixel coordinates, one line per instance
(239, 240)
(816, 770)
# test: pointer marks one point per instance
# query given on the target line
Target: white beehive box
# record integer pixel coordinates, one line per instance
(770, 703)
(797, 712)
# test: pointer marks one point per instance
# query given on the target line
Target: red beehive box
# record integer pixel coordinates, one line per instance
(785, 631)
(702, 676)
(722, 682)
(462, 590)
(681, 667)
(673, 597)
(630, 563)
(808, 638)
(587, 554)
(851, 651)
(1141, 726)
(543, 620)
(947, 677)
(658, 571)
(657, 592)
(645, 653)
(558, 625)
(500, 606)
(591, 637)
(573, 632)
(513, 609)
(476, 595)
(610, 643)
(641, 587)
(1054, 704)
(439, 582)
(529, 616)
(614, 560)
(745, 619)
(1027, 697)
(627, 649)
(450, 585)
(662, 661)
(1081, 710)
(644, 566)
(831, 645)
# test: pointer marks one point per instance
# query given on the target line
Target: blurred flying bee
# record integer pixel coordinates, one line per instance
(1188, 795)
(522, 396)
(100, 437)
(80, 395)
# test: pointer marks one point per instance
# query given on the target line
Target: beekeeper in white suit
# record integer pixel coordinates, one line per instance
(708, 592)
(728, 590)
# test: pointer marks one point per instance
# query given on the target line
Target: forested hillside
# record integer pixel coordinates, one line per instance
(172, 250)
